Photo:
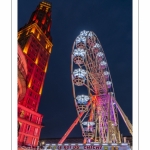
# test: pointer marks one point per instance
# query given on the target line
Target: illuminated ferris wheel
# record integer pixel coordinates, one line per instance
(97, 108)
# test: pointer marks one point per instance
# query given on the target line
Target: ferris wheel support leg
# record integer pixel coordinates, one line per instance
(70, 129)
(119, 137)
(96, 133)
(109, 122)
(124, 117)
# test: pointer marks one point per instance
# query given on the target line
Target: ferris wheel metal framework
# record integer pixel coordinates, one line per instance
(97, 110)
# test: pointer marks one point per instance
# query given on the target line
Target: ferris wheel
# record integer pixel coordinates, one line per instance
(97, 108)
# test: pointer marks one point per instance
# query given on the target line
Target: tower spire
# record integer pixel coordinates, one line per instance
(42, 17)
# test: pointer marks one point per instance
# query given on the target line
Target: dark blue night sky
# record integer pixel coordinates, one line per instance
(111, 21)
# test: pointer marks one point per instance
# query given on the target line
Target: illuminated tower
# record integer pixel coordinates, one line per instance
(35, 41)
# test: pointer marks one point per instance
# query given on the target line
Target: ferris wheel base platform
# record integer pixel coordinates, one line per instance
(91, 146)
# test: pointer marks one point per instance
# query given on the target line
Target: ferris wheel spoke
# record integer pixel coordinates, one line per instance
(86, 115)
(89, 88)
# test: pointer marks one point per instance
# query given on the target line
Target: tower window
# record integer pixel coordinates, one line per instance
(32, 87)
(44, 63)
(36, 90)
(28, 127)
(25, 139)
(30, 94)
(30, 117)
(32, 45)
(30, 70)
(36, 131)
(33, 104)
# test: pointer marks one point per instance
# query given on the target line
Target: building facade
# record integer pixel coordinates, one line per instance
(36, 43)
(22, 73)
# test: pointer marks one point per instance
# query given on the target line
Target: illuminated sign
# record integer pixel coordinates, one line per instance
(79, 146)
